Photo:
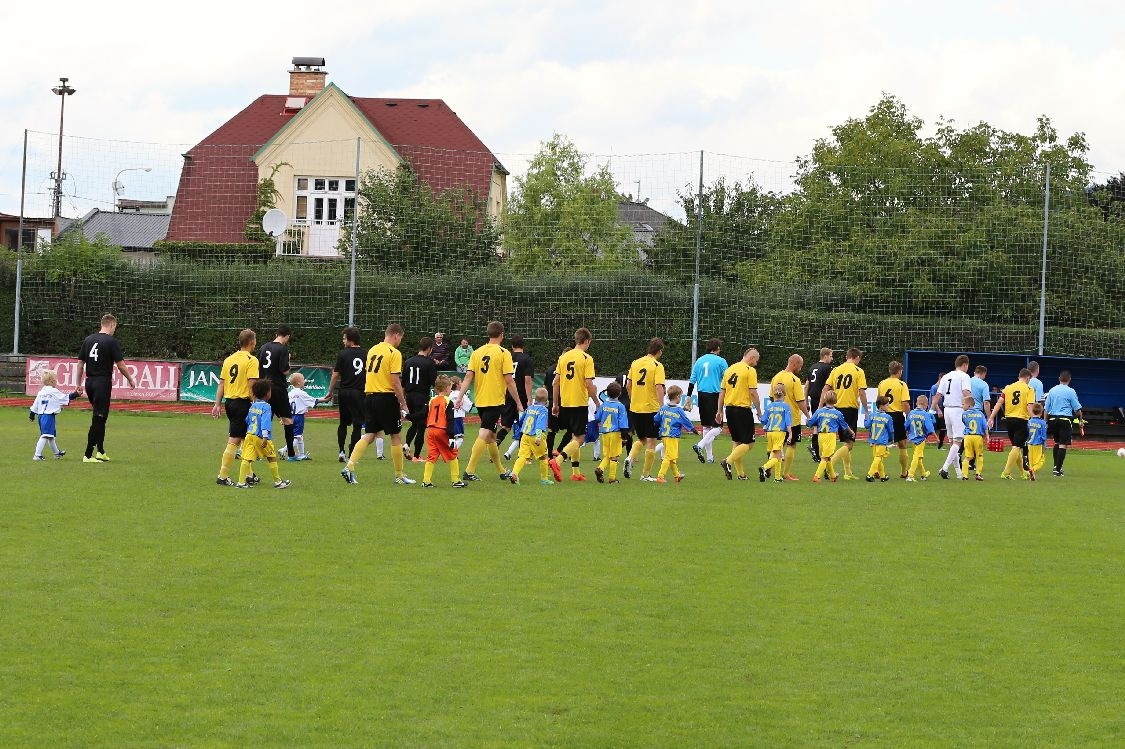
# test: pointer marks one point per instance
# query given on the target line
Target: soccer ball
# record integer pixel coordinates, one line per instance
(1121, 452)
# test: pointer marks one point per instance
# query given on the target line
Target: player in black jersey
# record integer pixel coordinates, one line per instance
(814, 386)
(273, 365)
(348, 374)
(418, 375)
(525, 365)
(100, 353)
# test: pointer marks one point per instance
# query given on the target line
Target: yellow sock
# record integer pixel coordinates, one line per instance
(397, 458)
(428, 473)
(544, 469)
(604, 462)
(612, 472)
(357, 454)
(243, 471)
(520, 463)
(847, 461)
(770, 464)
(820, 470)
(228, 460)
(738, 452)
(455, 470)
(674, 467)
(903, 460)
(787, 464)
(964, 466)
(494, 453)
(574, 452)
(636, 451)
(980, 464)
(664, 464)
(839, 454)
(650, 458)
(1013, 460)
(475, 456)
(275, 470)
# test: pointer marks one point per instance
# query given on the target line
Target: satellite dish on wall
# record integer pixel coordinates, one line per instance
(274, 222)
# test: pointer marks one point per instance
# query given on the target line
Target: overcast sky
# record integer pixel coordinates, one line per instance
(754, 79)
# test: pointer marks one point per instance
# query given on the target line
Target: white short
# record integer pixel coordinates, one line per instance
(954, 426)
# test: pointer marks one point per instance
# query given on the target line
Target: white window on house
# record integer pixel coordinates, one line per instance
(324, 206)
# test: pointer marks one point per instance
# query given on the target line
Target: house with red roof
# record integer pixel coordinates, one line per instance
(312, 141)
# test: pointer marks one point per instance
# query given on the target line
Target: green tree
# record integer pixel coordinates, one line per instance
(559, 216)
(736, 225)
(402, 221)
(266, 198)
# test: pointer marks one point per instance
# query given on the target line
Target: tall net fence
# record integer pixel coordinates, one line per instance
(686, 246)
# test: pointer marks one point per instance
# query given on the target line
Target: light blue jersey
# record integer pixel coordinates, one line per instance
(534, 420)
(827, 420)
(671, 421)
(611, 417)
(976, 423)
(1036, 387)
(707, 374)
(880, 428)
(1062, 401)
(1036, 431)
(979, 389)
(919, 425)
(259, 420)
(777, 417)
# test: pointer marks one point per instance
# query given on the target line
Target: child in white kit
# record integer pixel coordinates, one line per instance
(300, 402)
(459, 413)
(48, 403)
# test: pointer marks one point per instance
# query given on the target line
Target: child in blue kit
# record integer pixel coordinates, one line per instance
(919, 426)
(881, 429)
(671, 422)
(48, 403)
(777, 420)
(827, 422)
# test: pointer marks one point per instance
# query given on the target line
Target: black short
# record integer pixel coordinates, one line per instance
(489, 416)
(1061, 429)
(898, 418)
(508, 414)
(416, 405)
(740, 421)
(351, 406)
(99, 390)
(643, 425)
(279, 401)
(1017, 431)
(574, 419)
(381, 414)
(851, 417)
(708, 407)
(237, 410)
(794, 435)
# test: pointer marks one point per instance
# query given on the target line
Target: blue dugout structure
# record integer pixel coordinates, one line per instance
(1100, 382)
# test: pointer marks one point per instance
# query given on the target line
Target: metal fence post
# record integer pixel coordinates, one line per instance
(1043, 270)
(698, 248)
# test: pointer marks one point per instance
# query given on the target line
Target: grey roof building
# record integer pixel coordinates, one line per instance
(643, 220)
(133, 232)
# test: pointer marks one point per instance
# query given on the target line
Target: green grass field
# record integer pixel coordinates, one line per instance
(144, 606)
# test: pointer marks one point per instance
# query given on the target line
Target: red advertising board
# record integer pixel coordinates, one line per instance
(156, 380)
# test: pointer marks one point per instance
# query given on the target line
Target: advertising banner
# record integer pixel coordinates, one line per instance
(156, 380)
(200, 381)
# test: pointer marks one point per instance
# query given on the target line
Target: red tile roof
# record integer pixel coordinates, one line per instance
(218, 183)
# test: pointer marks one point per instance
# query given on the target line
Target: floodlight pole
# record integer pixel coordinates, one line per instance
(62, 92)
(698, 247)
(19, 252)
(1043, 269)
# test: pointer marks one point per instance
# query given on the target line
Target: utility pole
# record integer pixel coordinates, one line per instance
(62, 92)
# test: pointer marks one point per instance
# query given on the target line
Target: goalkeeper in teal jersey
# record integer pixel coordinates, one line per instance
(707, 375)
(919, 426)
(880, 429)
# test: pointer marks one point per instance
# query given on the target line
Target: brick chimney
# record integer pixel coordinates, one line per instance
(307, 76)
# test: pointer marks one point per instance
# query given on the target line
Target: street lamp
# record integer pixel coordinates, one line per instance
(117, 187)
(62, 92)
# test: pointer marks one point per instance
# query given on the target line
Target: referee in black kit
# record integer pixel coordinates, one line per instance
(100, 353)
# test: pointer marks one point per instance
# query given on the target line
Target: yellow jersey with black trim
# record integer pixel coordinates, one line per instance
(897, 391)
(1017, 397)
(238, 370)
(490, 364)
(794, 392)
(739, 380)
(645, 374)
(575, 367)
(383, 362)
(847, 380)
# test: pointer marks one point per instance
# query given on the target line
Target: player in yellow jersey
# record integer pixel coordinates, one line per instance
(384, 404)
(238, 373)
(898, 405)
(492, 370)
(738, 398)
(850, 384)
(573, 391)
(1016, 399)
(645, 384)
(790, 380)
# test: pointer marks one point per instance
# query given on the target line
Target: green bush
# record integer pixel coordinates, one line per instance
(229, 251)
